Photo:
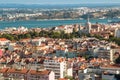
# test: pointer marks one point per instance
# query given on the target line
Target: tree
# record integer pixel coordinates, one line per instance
(69, 77)
(8, 36)
(62, 33)
(117, 61)
(36, 34)
(43, 33)
(55, 34)
(27, 35)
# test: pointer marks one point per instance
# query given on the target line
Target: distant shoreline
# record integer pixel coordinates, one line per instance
(59, 6)
(45, 19)
(58, 19)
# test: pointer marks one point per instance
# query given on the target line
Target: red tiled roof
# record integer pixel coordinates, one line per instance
(62, 79)
(21, 71)
(34, 72)
(3, 70)
(3, 39)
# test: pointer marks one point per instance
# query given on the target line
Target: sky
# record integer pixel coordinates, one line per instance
(57, 1)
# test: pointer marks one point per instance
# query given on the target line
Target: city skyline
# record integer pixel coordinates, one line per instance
(56, 2)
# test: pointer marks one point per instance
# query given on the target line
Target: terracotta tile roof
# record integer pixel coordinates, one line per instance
(95, 26)
(21, 71)
(3, 39)
(61, 27)
(3, 70)
(112, 66)
(2, 60)
(34, 72)
(62, 79)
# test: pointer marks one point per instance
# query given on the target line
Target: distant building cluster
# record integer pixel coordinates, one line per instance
(8, 14)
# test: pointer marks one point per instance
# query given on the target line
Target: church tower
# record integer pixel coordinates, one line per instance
(88, 25)
(117, 32)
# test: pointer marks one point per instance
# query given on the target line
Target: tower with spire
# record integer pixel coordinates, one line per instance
(88, 25)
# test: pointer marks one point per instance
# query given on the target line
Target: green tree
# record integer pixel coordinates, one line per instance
(8, 36)
(69, 77)
(27, 35)
(56, 35)
(117, 61)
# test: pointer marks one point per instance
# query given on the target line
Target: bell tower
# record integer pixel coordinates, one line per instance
(88, 25)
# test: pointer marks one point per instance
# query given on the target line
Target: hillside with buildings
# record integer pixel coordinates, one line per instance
(66, 52)
(14, 14)
(83, 48)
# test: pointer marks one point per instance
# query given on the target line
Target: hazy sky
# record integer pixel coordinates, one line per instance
(58, 1)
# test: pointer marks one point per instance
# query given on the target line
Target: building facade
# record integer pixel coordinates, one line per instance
(59, 67)
(117, 32)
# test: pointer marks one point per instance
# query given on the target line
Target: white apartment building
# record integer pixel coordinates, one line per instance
(108, 77)
(86, 76)
(4, 41)
(11, 46)
(117, 32)
(36, 42)
(59, 67)
(112, 53)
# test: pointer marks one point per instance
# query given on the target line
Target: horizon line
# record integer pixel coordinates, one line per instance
(60, 3)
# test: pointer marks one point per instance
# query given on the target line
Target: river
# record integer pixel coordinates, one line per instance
(49, 23)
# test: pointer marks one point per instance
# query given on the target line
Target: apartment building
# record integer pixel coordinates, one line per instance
(40, 75)
(25, 74)
(58, 66)
(117, 32)
(113, 53)
(4, 41)
(12, 74)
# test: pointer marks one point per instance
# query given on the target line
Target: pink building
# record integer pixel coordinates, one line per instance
(1, 53)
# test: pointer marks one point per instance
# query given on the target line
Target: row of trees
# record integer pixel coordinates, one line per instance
(55, 34)
(114, 39)
(33, 34)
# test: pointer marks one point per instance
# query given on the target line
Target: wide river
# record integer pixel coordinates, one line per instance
(49, 23)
